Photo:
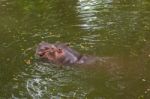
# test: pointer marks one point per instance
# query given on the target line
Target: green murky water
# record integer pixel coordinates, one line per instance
(106, 28)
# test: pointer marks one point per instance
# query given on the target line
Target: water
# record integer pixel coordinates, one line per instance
(119, 29)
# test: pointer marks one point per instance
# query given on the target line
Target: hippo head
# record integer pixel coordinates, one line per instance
(45, 48)
(49, 51)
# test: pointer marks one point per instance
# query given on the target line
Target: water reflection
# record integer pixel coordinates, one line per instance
(47, 81)
(88, 13)
(34, 87)
(44, 80)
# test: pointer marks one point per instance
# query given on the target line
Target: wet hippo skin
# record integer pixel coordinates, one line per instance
(47, 51)
(61, 53)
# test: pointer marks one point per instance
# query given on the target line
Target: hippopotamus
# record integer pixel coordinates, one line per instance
(48, 52)
(62, 53)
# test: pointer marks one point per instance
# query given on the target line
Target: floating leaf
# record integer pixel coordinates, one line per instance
(27, 62)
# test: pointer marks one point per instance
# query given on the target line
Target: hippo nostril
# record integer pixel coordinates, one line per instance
(41, 53)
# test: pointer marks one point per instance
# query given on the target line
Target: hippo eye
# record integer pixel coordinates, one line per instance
(60, 50)
(52, 48)
(46, 48)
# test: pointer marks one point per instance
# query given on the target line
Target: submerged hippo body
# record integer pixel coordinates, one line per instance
(61, 53)
(70, 56)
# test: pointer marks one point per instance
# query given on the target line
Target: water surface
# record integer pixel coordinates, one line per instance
(106, 28)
